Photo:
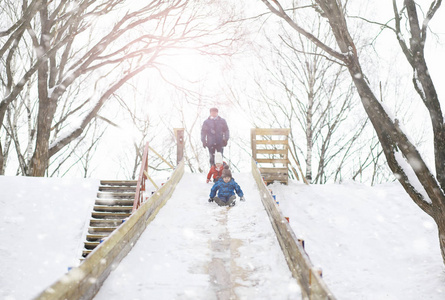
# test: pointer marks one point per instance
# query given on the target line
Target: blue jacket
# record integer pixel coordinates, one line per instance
(215, 132)
(226, 189)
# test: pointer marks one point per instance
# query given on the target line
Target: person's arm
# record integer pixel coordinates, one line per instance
(215, 187)
(238, 189)
(211, 172)
(226, 131)
(204, 134)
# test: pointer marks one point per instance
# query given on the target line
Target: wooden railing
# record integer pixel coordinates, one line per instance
(140, 189)
(143, 174)
(309, 278)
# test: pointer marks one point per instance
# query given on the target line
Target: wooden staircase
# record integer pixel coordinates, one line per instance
(270, 149)
(113, 205)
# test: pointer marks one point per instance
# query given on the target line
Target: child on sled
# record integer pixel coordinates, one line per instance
(226, 188)
(217, 168)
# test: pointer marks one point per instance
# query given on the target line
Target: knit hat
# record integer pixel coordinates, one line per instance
(226, 173)
(218, 158)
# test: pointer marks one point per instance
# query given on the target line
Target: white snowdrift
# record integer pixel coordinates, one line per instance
(371, 242)
(41, 231)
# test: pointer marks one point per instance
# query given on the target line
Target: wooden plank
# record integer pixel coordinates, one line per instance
(110, 202)
(112, 195)
(151, 180)
(272, 177)
(119, 189)
(312, 285)
(272, 151)
(91, 245)
(96, 236)
(101, 229)
(253, 142)
(272, 131)
(109, 215)
(119, 182)
(272, 161)
(179, 134)
(271, 142)
(273, 170)
(160, 156)
(106, 222)
(84, 281)
(114, 208)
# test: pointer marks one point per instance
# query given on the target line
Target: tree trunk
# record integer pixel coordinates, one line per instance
(2, 160)
(439, 218)
(47, 107)
(309, 137)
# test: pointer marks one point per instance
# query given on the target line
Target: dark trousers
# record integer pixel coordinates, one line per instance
(224, 201)
(212, 150)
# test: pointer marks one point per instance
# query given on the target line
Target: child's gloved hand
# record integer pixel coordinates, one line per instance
(210, 199)
(207, 181)
(242, 199)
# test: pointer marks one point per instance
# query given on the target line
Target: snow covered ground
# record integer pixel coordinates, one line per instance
(41, 231)
(198, 250)
(371, 242)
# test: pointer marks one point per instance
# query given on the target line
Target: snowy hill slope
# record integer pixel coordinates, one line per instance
(41, 231)
(371, 242)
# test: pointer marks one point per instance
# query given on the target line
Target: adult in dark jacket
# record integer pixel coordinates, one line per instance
(214, 134)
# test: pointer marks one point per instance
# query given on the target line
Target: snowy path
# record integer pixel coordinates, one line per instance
(195, 249)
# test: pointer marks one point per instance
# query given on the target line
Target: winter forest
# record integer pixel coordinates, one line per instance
(85, 84)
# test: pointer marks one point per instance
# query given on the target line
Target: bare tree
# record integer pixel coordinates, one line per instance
(405, 161)
(303, 91)
(79, 54)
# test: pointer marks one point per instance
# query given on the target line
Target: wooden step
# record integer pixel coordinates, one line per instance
(273, 170)
(271, 142)
(91, 245)
(110, 202)
(101, 229)
(272, 151)
(120, 189)
(105, 222)
(113, 204)
(119, 182)
(107, 195)
(109, 215)
(116, 208)
(96, 237)
(85, 252)
(272, 161)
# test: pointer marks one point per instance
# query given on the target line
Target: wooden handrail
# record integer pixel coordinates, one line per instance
(309, 277)
(140, 188)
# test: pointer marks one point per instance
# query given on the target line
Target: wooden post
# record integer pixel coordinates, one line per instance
(253, 142)
(179, 133)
